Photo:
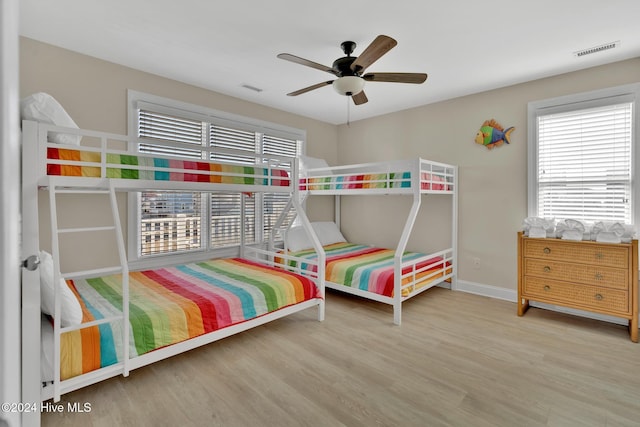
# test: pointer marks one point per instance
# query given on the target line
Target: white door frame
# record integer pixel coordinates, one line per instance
(10, 359)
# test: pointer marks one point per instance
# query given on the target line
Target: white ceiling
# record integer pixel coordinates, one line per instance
(465, 46)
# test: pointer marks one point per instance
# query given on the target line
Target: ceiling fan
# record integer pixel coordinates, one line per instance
(349, 70)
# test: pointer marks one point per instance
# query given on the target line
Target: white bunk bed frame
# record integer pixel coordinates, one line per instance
(381, 178)
(34, 177)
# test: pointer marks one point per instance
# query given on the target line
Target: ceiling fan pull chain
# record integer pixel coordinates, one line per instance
(348, 111)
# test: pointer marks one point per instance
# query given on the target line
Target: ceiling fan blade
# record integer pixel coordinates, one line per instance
(302, 61)
(381, 45)
(310, 88)
(359, 98)
(396, 77)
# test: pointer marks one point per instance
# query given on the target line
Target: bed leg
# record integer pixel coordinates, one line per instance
(397, 314)
(321, 311)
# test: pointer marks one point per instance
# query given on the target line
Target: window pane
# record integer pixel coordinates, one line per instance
(170, 222)
(584, 164)
(214, 220)
(226, 219)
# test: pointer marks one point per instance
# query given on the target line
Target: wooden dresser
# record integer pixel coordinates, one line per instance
(591, 276)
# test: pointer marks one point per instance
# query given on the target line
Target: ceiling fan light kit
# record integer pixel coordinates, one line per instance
(349, 70)
(348, 85)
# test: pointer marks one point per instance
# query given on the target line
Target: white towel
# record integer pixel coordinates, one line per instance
(571, 229)
(612, 232)
(539, 227)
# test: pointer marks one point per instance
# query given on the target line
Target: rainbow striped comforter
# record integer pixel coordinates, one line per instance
(428, 181)
(83, 163)
(174, 304)
(370, 268)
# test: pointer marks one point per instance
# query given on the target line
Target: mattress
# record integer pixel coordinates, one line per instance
(173, 304)
(372, 269)
(85, 163)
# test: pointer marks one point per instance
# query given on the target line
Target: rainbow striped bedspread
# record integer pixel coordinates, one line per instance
(174, 304)
(371, 268)
(84, 163)
(428, 181)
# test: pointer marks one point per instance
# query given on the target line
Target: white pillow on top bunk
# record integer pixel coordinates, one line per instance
(42, 107)
(307, 163)
(71, 311)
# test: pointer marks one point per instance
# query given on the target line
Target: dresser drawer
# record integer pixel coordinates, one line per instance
(614, 255)
(577, 296)
(587, 274)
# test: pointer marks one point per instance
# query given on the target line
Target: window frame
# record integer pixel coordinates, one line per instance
(135, 100)
(584, 100)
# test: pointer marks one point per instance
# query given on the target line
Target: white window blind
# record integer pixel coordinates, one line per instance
(584, 163)
(172, 222)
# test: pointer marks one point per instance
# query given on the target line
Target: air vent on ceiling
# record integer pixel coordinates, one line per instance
(253, 88)
(596, 49)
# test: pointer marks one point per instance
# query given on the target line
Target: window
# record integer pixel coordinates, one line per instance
(582, 156)
(179, 222)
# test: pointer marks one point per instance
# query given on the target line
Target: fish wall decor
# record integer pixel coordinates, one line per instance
(492, 134)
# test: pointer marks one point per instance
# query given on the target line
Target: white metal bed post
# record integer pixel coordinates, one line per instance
(125, 278)
(242, 220)
(402, 244)
(454, 230)
(319, 250)
(337, 210)
(302, 215)
(57, 300)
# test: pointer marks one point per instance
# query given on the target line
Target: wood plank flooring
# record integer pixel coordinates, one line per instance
(457, 360)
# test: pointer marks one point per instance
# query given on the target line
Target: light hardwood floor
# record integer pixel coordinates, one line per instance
(457, 360)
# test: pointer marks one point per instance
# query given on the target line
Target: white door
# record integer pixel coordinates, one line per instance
(10, 389)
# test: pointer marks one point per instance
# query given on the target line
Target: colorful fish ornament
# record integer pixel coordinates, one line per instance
(492, 134)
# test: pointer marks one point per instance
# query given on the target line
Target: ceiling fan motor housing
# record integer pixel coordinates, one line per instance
(342, 66)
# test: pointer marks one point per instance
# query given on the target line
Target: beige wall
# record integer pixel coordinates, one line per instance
(492, 190)
(94, 93)
(493, 184)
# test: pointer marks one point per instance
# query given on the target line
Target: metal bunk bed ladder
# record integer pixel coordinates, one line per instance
(123, 268)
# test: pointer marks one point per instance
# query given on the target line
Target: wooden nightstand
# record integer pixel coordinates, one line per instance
(591, 276)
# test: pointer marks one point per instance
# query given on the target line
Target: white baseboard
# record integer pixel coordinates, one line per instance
(512, 296)
(486, 290)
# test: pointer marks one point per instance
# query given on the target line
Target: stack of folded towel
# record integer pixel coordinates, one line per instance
(612, 232)
(539, 227)
(571, 229)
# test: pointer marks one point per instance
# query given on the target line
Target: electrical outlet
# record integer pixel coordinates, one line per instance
(476, 262)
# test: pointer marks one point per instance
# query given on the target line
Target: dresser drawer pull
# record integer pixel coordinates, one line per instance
(547, 287)
(547, 250)
(547, 269)
(599, 276)
(599, 297)
(599, 255)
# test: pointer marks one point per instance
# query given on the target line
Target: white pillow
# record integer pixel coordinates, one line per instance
(327, 232)
(43, 108)
(297, 239)
(307, 163)
(71, 311)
